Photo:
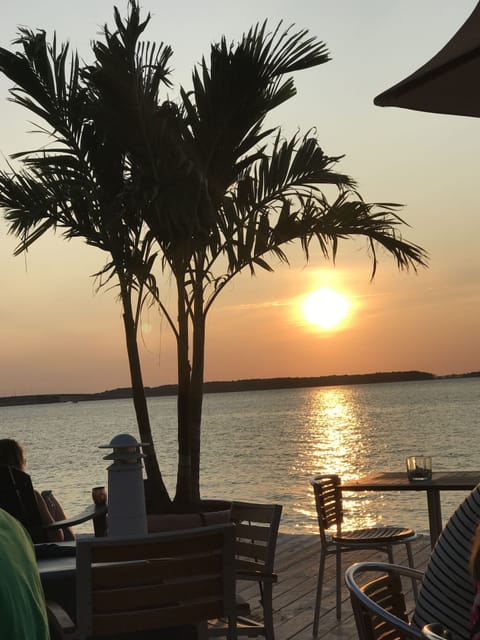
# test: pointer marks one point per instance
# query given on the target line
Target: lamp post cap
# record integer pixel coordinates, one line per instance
(123, 440)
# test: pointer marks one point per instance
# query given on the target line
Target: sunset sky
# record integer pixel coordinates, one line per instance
(58, 335)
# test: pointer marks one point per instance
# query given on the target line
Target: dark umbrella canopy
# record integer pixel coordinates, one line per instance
(449, 82)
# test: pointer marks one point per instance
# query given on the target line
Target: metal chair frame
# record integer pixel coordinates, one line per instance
(329, 506)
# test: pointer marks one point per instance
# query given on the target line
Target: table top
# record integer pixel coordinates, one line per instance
(398, 481)
(57, 563)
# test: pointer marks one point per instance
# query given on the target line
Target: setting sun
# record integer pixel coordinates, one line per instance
(326, 308)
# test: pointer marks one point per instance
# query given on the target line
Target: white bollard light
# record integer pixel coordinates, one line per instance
(126, 494)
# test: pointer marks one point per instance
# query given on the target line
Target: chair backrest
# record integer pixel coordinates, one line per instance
(447, 592)
(256, 536)
(386, 592)
(17, 497)
(156, 581)
(379, 605)
(328, 502)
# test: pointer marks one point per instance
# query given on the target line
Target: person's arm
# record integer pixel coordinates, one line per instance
(53, 535)
(57, 513)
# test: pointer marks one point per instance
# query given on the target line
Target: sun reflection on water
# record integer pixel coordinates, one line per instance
(334, 434)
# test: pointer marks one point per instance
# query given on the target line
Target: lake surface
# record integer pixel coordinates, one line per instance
(264, 446)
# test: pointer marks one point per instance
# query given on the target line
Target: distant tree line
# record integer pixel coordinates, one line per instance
(249, 384)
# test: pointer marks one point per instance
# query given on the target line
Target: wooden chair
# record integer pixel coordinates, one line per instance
(256, 539)
(379, 605)
(156, 582)
(17, 497)
(329, 506)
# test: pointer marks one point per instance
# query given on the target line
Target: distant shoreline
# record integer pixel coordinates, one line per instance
(251, 384)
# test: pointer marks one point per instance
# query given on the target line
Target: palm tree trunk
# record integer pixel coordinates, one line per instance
(196, 389)
(159, 500)
(183, 495)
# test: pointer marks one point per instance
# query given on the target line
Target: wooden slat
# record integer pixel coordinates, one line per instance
(251, 531)
(164, 549)
(151, 618)
(255, 513)
(244, 566)
(122, 600)
(250, 550)
(148, 572)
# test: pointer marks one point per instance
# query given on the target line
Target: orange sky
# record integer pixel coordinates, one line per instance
(58, 335)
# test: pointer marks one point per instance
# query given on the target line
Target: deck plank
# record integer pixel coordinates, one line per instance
(296, 564)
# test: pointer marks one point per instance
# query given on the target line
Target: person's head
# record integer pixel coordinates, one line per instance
(12, 454)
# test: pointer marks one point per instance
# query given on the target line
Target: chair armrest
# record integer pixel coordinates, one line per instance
(91, 512)
(60, 620)
(256, 575)
(436, 631)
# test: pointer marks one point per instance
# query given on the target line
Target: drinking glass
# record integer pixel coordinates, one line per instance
(419, 467)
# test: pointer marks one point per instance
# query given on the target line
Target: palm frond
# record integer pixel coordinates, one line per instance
(40, 80)
(293, 168)
(379, 223)
(233, 94)
(287, 52)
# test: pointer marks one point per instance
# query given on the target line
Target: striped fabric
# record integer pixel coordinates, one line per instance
(447, 592)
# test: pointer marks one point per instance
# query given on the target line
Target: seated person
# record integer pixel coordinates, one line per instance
(12, 454)
(22, 603)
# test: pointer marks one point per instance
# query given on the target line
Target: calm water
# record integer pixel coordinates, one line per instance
(264, 446)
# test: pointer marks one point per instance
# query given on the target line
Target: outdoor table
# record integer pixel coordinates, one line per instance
(57, 575)
(398, 481)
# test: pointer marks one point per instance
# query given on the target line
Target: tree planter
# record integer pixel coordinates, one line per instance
(210, 512)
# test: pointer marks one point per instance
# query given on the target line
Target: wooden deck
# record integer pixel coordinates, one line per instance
(294, 595)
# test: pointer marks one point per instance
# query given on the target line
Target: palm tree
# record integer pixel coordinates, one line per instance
(205, 184)
(79, 184)
(232, 201)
